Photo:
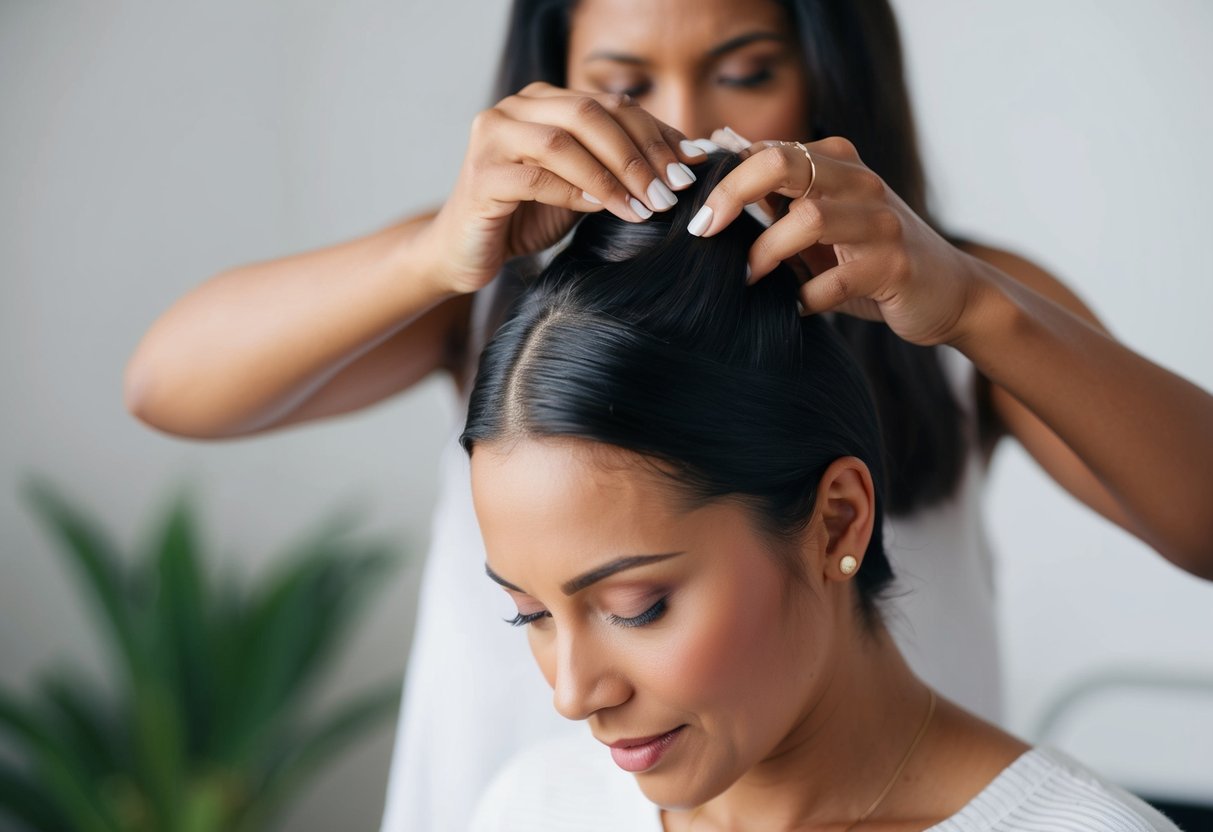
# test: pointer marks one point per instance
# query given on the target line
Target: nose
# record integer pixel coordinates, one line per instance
(680, 104)
(585, 680)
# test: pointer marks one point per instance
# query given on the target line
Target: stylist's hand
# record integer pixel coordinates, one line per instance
(858, 248)
(537, 158)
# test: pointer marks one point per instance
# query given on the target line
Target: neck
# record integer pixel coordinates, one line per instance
(839, 756)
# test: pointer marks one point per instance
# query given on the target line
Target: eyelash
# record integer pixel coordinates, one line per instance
(749, 82)
(647, 617)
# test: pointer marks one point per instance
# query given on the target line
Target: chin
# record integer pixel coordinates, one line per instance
(676, 791)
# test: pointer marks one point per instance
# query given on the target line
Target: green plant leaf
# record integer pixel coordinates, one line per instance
(85, 722)
(24, 800)
(183, 645)
(99, 566)
(308, 754)
(73, 792)
(290, 633)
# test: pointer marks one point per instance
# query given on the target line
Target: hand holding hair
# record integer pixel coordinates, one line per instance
(536, 159)
(857, 247)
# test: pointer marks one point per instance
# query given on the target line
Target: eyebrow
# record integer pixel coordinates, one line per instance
(715, 52)
(594, 575)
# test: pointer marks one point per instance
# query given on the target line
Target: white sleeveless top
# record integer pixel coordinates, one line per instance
(473, 694)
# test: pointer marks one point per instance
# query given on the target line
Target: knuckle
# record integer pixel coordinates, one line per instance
(555, 139)
(655, 146)
(888, 225)
(604, 182)
(484, 120)
(840, 288)
(839, 147)
(533, 87)
(808, 215)
(533, 178)
(869, 183)
(587, 107)
(636, 166)
(777, 163)
(764, 247)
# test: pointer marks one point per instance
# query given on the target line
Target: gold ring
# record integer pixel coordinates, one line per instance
(812, 165)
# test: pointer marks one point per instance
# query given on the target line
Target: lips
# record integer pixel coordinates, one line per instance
(642, 753)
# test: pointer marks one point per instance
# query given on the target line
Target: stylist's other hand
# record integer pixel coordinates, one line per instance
(537, 158)
(858, 248)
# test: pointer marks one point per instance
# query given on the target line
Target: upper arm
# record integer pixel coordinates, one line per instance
(1012, 417)
(436, 340)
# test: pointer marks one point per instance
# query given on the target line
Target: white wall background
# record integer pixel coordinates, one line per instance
(145, 146)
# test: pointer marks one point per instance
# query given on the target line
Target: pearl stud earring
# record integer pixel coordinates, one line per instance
(848, 565)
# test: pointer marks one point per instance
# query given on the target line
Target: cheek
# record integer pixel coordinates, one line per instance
(729, 645)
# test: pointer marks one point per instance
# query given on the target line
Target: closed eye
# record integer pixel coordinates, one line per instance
(647, 617)
(521, 619)
(757, 79)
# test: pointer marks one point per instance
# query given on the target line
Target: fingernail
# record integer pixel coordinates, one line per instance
(661, 197)
(700, 222)
(737, 137)
(680, 175)
(707, 145)
(640, 208)
(589, 197)
(759, 213)
(748, 272)
(691, 149)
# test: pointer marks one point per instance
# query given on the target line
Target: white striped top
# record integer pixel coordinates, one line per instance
(571, 785)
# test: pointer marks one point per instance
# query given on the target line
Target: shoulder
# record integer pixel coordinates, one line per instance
(566, 783)
(1046, 789)
(1031, 275)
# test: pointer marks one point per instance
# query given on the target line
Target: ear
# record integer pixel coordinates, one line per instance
(846, 506)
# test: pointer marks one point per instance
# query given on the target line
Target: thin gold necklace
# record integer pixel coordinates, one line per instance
(922, 730)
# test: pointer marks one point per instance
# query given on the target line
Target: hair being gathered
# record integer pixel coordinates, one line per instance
(856, 89)
(643, 337)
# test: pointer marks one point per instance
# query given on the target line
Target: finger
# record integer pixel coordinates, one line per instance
(667, 150)
(829, 290)
(778, 169)
(599, 131)
(807, 223)
(513, 183)
(656, 140)
(559, 151)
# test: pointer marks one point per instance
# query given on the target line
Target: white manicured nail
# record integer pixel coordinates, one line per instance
(589, 197)
(759, 213)
(748, 272)
(691, 149)
(707, 145)
(640, 208)
(700, 222)
(737, 137)
(661, 197)
(680, 175)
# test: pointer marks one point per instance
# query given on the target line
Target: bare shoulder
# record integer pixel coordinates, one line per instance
(1032, 275)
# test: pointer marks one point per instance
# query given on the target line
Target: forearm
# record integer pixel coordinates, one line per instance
(1145, 433)
(245, 349)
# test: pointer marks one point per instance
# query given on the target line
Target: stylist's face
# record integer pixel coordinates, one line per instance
(697, 65)
(650, 620)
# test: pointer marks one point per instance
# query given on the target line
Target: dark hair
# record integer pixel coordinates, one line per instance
(856, 89)
(643, 337)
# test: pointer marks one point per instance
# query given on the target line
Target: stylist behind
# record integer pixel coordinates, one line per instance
(597, 101)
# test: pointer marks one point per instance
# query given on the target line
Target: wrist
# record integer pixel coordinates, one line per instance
(991, 309)
(417, 259)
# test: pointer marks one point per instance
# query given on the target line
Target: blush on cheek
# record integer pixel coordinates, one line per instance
(724, 646)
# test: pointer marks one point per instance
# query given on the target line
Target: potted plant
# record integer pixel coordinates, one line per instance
(203, 722)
